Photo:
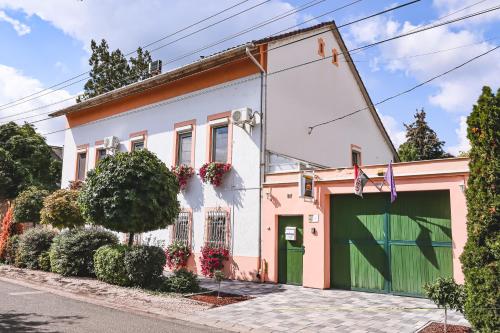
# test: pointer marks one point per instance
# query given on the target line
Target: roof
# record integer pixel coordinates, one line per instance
(203, 64)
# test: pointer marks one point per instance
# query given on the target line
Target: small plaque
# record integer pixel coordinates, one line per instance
(313, 218)
(291, 233)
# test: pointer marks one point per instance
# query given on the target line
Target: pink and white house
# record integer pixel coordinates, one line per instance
(249, 106)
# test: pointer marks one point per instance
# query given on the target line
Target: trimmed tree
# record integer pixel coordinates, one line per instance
(480, 259)
(28, 205)
(61, 210)
(131, 193)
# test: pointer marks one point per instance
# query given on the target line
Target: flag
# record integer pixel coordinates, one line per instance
(360, 179)
(389, 179)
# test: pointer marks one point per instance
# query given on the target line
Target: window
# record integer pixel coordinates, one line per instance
(356, 157)
(184, 148)
(335, 57)
(100, 154)
(81, 165)
(137, 145)
(219, 144)
(321, 47)
(181, 228)
(217, 229)
(138, 140)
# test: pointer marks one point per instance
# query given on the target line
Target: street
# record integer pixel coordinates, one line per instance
(24, 309)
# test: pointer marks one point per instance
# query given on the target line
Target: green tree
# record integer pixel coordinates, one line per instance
(130, 192)
(111, 70)
(480, 259)
(447, 294)
(28, 204)
(61, 210)
(25, 159)
(422, 143)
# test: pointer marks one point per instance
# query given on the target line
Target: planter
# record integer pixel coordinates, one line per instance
(177, 255)
(213, 172)
(183, 174)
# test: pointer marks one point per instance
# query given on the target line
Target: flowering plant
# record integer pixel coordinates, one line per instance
(212, 259)
(177, 255)
(213, 172)
(183, 174)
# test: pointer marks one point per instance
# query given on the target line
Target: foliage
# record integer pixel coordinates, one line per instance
(481, 256)
(61, 210)
(177, 255)
(109, 264)
(9, 254)
(72, 251)
(422, 143)
(32, 244)
(5, 231)
(183, 173)
(218, 277)
(212, 259)
(44, 261)
(213, 172)
(182, 281)
(111, 70)
(28, 204)
(446, 293)
(144, 264)
(25, 159)
(130, 192)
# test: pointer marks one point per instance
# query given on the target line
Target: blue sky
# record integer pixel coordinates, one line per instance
(46, 42)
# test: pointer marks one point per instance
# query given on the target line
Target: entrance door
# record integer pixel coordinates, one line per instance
(290, 253)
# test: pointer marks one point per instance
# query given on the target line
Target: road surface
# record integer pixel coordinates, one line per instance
(24, 309)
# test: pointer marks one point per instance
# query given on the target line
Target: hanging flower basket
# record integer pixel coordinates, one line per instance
(177, 255)
(183, 174)
(213, 172)
(212, 259)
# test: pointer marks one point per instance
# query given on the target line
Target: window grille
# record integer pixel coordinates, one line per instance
(216, 234)
(180, 232)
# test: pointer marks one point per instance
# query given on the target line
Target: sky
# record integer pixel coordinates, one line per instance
(47, 42)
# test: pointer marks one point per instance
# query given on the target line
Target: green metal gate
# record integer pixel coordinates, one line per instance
(384, 247)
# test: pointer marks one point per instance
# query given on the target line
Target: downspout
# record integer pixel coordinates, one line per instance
(263, 78)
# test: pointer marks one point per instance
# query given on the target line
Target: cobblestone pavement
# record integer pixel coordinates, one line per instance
(278, 308)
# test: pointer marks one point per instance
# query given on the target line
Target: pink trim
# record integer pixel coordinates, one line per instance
(80, 149)
(229, 135)
(191, 122)
(99, 143)
(144, 135)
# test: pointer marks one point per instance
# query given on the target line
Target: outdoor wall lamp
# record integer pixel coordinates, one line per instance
(313, 230)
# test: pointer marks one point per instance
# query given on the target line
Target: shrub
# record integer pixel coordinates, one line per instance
(182, 281)
(11, 250)
(31, 245)
(28, 205)
(44, 261)
(446, 294)
(72, 251)
(144, 264)
(213, 172)
(61, 210)
(212, 259)
(5, 231)
(480, 259)
(109, 264)
(177, 255)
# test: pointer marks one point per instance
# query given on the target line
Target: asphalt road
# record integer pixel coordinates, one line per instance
(24, 309)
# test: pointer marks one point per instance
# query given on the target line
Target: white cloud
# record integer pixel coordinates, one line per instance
(396, 131)
(14, 85)
(21, 28)
(463, 143)
(465, 7)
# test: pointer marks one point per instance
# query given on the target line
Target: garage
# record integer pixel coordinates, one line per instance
(390, 248)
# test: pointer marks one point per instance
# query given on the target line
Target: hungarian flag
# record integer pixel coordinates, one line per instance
(360, 179)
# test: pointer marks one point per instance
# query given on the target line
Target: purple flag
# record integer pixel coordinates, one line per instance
(389, 179)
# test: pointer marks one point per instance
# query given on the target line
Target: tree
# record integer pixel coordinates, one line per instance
(480, 259)
(446, 293)
(61, 210)
(422, 143)
(112, 70)
(28, 205)
(25, 159)
(130, 192)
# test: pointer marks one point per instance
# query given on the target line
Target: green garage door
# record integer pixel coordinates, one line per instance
(385, 247)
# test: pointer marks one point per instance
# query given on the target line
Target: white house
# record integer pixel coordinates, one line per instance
(283, 84)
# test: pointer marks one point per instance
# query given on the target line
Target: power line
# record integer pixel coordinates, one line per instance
(311, 128)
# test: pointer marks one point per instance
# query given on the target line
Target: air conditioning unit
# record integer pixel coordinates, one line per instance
(111, 142)
(242, 116)
(155, 67)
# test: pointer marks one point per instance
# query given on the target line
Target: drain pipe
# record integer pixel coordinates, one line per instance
(260, 272)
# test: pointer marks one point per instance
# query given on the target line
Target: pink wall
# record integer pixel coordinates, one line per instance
(281, 197)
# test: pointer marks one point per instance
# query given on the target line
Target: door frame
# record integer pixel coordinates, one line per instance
(276, 243)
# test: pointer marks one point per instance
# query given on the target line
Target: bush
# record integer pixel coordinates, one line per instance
(177, 255)
(44, 261)
(11, 250)
(212, 259)
(31, 245)
(109, 264)
(446, 294)
(60, 209)
(182, 281)
(72, 251)
(5, 231)
(144, 265)
(28, 205)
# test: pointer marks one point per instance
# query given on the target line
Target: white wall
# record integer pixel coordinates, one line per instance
(317, 92)
(240, 188)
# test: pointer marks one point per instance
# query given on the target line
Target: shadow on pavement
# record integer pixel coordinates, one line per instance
(32, 322)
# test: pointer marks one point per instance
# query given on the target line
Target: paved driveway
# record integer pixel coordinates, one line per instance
(296, 309)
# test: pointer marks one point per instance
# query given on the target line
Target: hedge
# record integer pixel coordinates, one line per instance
(31, 245)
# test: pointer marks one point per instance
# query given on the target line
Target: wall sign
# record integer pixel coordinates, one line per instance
(313, 218)
(291, 233)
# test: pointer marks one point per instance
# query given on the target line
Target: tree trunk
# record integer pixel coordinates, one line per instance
(445, 319)
(131, 239)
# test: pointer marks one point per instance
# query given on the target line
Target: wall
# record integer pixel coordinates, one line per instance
(413, 176)
(317, 92)
(240, 190)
